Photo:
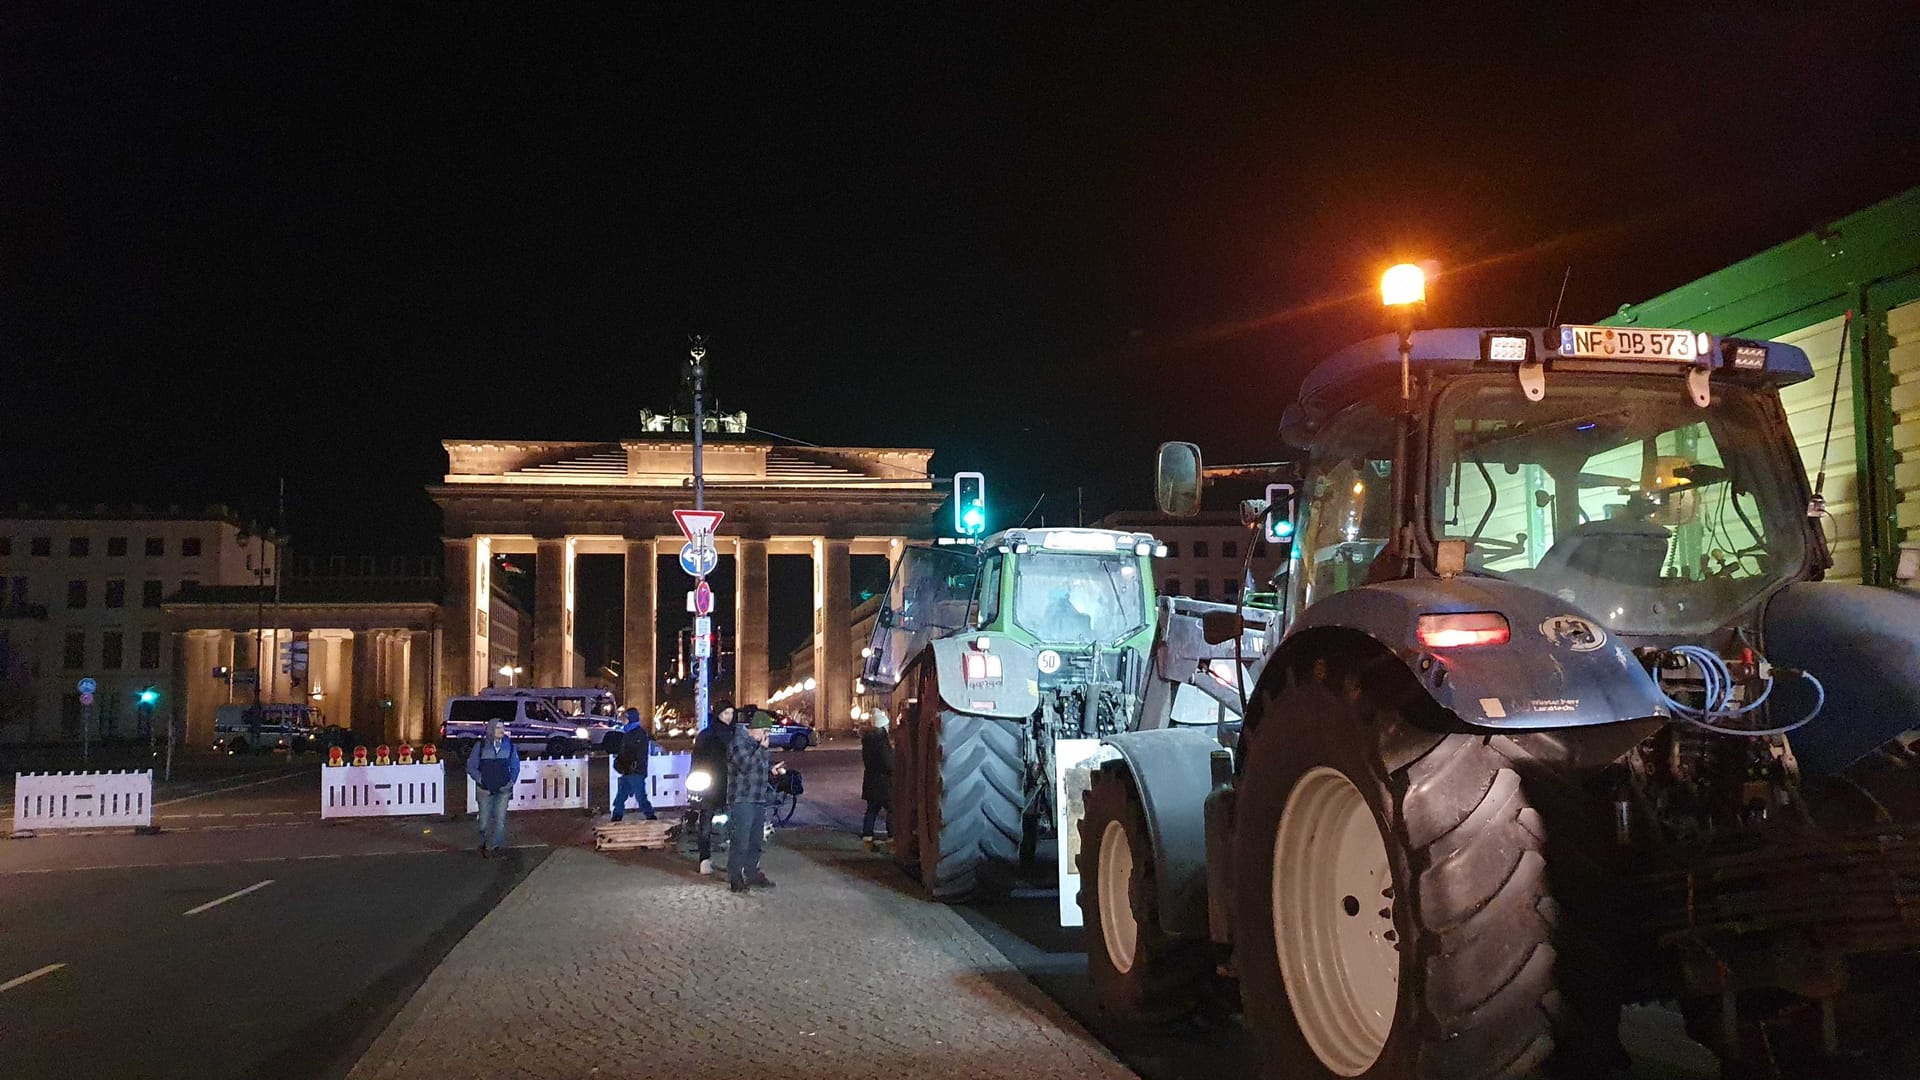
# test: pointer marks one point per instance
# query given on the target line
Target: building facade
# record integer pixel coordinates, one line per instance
(1206, 554)
(83, 595)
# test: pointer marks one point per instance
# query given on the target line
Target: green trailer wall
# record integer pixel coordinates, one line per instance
(1801, 292)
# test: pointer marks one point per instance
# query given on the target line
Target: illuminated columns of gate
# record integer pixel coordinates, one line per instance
(642, 615)
(750, 613)
(553, 611)
(832, 632)
(464, 640)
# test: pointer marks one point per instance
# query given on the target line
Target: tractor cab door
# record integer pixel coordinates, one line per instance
(929, 597)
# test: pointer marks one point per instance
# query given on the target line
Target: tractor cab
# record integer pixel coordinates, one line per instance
(1645, 481)
(1068, 593)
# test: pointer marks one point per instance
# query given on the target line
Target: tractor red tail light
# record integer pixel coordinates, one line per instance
(1463, 631)
(976, 666)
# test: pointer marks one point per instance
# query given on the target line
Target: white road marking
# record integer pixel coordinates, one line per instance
(29, 977)
(255, 887)
(253, 859)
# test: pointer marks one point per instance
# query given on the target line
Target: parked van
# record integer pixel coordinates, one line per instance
(533, 725)
(591, 707)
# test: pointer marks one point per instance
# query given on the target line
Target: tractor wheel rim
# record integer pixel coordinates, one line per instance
(1333, 922)
(1118, 930)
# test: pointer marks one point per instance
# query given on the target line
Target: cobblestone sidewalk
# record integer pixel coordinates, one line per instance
(632, 966)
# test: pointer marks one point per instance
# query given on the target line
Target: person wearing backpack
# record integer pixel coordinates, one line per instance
(631, 764)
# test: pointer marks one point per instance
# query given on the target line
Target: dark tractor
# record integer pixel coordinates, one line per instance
(1560, 717)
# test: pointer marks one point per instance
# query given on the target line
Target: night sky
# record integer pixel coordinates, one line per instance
(282, 239)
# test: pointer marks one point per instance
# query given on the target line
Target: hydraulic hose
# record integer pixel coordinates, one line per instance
(1716, 707)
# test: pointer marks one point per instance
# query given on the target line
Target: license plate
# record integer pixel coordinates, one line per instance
(1626, 343)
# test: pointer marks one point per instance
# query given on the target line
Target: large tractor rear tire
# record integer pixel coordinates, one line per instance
(1400, 926)
(1140, 973)
(970, 801)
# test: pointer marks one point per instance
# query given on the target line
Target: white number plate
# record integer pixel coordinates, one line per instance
(1627, 343)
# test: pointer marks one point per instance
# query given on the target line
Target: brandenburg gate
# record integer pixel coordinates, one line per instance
(560, 500)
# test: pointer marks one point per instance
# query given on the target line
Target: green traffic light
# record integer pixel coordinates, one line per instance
(149, 696)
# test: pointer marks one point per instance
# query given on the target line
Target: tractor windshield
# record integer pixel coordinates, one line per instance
(1073, 598)
(1623, 497)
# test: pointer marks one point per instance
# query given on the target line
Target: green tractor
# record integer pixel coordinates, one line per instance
(992, 652)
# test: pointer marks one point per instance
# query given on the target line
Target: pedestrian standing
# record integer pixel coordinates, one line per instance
(710, 756)
(631, 764)
(876, 777)
(494, 765)
(749, 790)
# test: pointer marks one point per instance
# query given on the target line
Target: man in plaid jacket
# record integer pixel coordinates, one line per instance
(749, 790)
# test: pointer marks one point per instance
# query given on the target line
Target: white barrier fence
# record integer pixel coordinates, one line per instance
(381, 790)
(82, 800)
(545, 784)
(666, 778)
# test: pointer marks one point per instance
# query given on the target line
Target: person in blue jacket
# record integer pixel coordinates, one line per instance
(494, 766)
(631, 764)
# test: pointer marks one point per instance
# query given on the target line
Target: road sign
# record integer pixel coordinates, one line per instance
(702, 646)
(246, 677)
(697, 559)
(87, 686)
(702, 626)
(87, 698)
(697, 523)
(703, 599)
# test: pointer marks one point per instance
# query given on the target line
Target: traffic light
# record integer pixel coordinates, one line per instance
(969, 503)
(149, 697)
(1279, 529)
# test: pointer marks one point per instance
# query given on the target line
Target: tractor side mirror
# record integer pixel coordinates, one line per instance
(1177, 472)
(1219, 627)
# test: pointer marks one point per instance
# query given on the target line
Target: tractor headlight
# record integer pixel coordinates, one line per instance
(721, 819)
(699, 780)
(1143, 548)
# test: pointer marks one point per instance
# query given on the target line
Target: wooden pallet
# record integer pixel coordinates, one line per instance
(629, 835)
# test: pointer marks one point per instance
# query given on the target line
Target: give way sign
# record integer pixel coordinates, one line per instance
(695, 524)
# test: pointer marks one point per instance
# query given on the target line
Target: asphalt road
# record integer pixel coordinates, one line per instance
(1027, 931)
(246, 939)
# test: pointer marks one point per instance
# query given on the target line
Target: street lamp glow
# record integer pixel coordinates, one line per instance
(1403, 286)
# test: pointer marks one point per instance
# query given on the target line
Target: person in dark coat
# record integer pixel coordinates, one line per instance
(876, 777)
(710, 756)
